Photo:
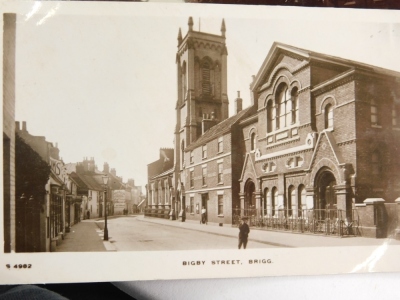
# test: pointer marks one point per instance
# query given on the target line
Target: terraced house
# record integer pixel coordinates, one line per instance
(316, 151)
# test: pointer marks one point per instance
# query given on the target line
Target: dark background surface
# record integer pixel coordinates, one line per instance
(73, 291)
(89, 291)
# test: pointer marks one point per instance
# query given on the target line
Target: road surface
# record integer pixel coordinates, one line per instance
(130, 234)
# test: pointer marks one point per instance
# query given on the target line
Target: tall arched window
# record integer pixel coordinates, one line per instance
(253, 141)
(301, 199)
(328, 116)
(269, 116)
(205, 75)
(284, 106)
(184, 80)
(290, 197)
(295, 105)
(274, 198)
(182, 153)
(265, 202)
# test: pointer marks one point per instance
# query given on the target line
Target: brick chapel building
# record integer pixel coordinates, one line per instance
(319, 141)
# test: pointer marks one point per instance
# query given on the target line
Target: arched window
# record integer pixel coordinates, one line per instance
(328, 116)
(375, 113)
(182, 153)
(301, 199)
(184, 80)
(269, 116)
(295, 105)
(265, 202)
(253, 141)
(291, 196)
(205, 75)
(283, 107)
(274, 198)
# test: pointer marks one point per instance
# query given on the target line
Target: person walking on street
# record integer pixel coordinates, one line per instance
(203, 216)
(244, 231)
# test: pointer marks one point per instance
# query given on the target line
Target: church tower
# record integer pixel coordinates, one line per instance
(202, 101)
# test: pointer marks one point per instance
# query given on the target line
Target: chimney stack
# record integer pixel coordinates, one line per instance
(253, 77)
(207, 123)
(24, 126)
(106, 168)
(238, 103)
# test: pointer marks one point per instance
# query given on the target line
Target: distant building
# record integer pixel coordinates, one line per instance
(160, 192)
(48, 216)
(135, 196)
(118, 196)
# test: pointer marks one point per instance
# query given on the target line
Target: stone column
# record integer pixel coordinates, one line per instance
(241, 197)
(341, 192)
(258, 200)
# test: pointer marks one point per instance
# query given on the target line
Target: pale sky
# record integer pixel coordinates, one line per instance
(99, 78)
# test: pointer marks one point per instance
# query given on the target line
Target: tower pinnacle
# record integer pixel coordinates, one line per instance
(190, 23)
(179, 37)
(223, 28)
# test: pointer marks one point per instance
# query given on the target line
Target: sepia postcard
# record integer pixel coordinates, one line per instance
(146, 141)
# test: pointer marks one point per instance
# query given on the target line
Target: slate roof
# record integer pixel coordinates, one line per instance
(169, 171)
(88, 181)
(115, 182)
(221, 128)
(311, 55)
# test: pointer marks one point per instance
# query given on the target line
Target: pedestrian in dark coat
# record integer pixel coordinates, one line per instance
(244, 231)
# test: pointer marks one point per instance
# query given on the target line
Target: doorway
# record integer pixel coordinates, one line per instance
(326, 196)
(204, 203)
(249, 198)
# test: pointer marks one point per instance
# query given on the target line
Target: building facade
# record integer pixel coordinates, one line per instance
(161, 201)
(40, 197)
(316, 150)
(321, 141)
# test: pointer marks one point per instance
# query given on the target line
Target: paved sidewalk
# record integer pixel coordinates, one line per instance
(84, 236)
(276, 238)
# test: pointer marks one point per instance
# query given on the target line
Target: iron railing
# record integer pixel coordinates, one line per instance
(315, 221)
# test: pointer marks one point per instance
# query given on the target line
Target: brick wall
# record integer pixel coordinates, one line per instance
(383, 138)
(212, 187)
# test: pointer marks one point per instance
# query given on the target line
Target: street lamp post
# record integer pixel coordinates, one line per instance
(105, 181)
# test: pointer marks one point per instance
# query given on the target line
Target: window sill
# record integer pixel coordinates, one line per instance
(220, 216)
(396, 128)
(220, 183)
(204, 186)
(376, 126)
